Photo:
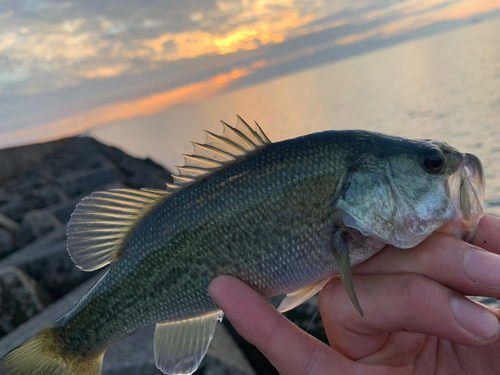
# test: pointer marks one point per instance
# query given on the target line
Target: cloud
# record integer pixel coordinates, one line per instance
(190, 44)
(62, 44)
(98, 45)
(6, 15)
(143, 107)
(7, 40)
(461, 10)
(106, 71)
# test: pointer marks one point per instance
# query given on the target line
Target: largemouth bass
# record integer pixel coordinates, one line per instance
(283, 217)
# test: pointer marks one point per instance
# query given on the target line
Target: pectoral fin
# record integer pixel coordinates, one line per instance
(180, 346)
(300, 296)
(341, 253)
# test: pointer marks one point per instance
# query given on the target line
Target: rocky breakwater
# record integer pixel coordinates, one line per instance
(38, 281)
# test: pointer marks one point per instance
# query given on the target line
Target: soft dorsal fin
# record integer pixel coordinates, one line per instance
(180, 346)
(101, 223)
(219, 151)
(300, 296)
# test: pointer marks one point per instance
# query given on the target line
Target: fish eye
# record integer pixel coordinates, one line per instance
(434, 162)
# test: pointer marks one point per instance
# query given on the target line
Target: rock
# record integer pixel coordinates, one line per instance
(49, 265)
(51, 195)
(18, 159)
(20, 299)
(140, 173)
(15, 208)
(9, 224)
(36, 223)
(56, 236)
(6, 243)
(81, 181)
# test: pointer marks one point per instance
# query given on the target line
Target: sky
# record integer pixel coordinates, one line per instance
(69, 66)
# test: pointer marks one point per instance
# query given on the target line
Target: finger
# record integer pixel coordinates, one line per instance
(460, 266)
(401, 302)
(288, 348)
(488, 234)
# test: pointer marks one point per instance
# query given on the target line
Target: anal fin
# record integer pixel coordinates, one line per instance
(300, 296)
(180, 346)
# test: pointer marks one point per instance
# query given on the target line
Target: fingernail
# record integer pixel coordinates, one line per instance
(483, 267)
(478, 320)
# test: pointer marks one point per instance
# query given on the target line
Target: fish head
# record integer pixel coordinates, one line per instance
(400, 191)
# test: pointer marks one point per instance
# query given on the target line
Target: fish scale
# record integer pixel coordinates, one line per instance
(188, 258)
(281, 217)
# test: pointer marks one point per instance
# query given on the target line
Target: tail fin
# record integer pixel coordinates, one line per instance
(42, 355)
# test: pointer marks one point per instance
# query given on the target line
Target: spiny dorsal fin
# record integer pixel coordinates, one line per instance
(101, 223)
(219, 151)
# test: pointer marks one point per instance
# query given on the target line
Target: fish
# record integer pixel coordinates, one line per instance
(284, 217)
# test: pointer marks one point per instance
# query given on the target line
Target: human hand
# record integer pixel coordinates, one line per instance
(417, 320)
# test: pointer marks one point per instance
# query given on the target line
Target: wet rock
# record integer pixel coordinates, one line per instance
(20, 299)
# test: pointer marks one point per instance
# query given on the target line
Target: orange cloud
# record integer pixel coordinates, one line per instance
(125, 110)
(269, 29)
(106, 71)
(259, 64)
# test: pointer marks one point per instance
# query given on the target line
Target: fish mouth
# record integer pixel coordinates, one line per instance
(465, 189)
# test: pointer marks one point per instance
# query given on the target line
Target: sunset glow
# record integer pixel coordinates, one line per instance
(125, 110)
(82, 60)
